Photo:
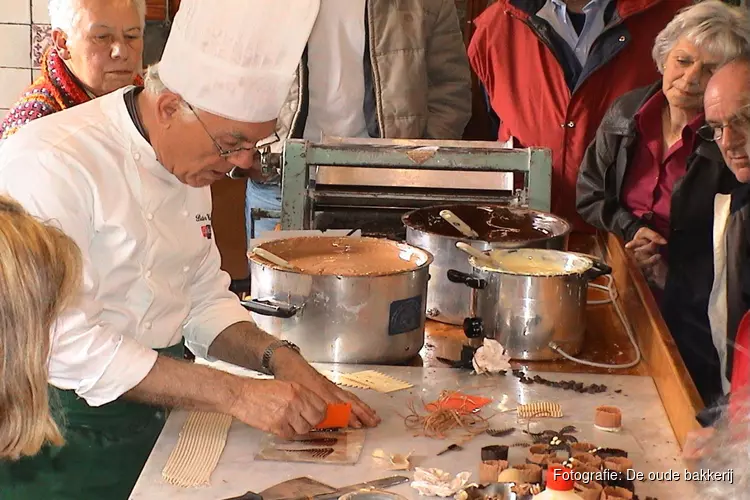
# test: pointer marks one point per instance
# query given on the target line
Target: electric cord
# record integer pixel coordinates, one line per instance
(609, 288)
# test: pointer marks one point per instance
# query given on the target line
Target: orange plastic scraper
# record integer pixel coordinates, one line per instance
(337, 416)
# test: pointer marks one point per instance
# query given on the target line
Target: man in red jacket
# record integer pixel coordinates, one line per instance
(552, 68)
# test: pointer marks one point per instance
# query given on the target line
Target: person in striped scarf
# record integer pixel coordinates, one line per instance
(97, 47)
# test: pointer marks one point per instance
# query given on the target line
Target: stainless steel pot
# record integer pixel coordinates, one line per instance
(355, 300)
(498, 226)
(529, 298)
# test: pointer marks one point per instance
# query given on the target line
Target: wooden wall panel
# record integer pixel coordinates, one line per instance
(161, 10)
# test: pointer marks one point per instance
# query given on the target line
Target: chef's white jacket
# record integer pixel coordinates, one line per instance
(152, 270)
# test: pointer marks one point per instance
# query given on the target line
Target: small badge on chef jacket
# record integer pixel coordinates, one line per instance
(405, 315)
(206, 231)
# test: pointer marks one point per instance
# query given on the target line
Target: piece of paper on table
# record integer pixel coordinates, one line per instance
(491, 358)
(377, 381)
(389, 461)
(330, 447)
(459, 401)
(340, 379)
(438, 483)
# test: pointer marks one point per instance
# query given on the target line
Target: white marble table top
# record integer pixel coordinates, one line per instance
(646, 435)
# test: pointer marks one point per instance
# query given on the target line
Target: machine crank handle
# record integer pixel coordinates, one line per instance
(267, 308)
(473, 328)
(466, 279)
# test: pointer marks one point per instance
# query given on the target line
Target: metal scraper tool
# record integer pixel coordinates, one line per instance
(307, 488)
(293, 488)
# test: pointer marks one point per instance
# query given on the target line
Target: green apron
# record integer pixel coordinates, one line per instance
(105, 449)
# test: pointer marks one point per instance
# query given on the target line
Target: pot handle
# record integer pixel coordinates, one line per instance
(268, 308)
(598, 269)
(466, 279)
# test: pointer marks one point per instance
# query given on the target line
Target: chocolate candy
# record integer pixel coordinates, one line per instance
(495, 452)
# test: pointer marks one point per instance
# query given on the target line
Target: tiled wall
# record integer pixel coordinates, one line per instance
(24, 33)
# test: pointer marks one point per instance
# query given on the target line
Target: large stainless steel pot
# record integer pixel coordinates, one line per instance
(499, 226)
(529, 298)
(355, 300)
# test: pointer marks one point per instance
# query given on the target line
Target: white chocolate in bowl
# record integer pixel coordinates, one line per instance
(537, 262)
(345, 256)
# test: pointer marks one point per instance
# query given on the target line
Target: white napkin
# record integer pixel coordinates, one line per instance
(438, 483)
(491, 358)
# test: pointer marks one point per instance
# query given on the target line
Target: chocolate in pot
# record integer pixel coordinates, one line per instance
(493, 223)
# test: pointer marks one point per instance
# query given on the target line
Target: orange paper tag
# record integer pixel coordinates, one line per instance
(458, 401)
(337, 416)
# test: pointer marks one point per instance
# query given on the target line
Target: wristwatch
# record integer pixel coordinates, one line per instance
(265, 362)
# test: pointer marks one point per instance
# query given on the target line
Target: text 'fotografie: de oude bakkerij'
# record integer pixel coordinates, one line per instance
(633, 475)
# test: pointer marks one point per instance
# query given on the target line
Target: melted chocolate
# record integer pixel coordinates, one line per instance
(344, 256)
(493, 223)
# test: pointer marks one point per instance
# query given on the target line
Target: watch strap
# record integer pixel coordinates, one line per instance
(265, 362)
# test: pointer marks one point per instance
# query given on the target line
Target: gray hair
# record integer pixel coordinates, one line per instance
(153, 85)
(711, 25)
(63, 14)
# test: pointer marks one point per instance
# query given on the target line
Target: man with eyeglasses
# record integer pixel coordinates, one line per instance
(727, 106)
(127, 176)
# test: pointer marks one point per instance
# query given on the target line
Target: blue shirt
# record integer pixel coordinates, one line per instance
(555, 12)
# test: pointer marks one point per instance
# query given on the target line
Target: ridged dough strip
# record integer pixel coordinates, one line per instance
(198, 449)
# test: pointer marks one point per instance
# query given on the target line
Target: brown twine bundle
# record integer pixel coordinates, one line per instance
(439, 421)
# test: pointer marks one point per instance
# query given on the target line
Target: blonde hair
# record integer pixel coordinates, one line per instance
(40, 270)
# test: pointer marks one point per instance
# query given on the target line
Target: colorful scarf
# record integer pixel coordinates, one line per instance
(56, 89)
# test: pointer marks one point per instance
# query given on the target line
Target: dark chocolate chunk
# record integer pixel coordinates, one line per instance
(618, 481)
(579, 386)
(604, 453)
(495, 452)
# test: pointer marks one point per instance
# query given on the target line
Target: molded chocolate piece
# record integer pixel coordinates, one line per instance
(495, 452)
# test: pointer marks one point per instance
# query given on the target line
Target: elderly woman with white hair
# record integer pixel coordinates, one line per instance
(97, 47)
(652, 171)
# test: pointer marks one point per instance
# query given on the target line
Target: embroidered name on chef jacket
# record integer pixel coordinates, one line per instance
(206, 228)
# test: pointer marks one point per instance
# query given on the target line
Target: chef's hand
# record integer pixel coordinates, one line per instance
(283, 408)
(645, 247)
(289, 366)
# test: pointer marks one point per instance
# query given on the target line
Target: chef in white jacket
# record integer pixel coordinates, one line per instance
(127, 176)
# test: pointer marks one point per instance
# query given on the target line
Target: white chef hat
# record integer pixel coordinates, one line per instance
(237, 58)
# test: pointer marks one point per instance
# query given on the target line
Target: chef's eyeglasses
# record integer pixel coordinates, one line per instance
(263, 145)
(739, 123)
